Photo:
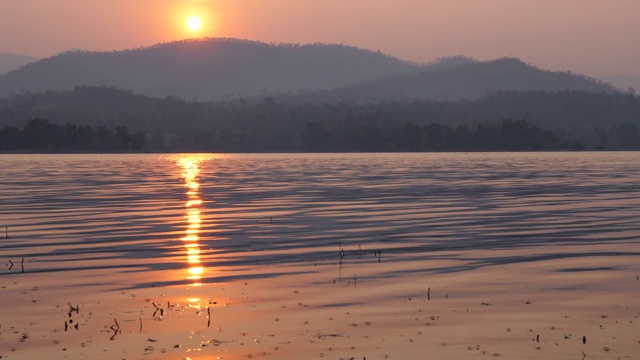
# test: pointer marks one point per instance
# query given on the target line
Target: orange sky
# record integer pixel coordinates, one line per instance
(596, 37)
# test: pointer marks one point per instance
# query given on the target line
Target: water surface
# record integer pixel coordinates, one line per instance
(290, 256)
(145, 213)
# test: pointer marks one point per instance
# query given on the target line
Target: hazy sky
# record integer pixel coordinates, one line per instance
(595, 37)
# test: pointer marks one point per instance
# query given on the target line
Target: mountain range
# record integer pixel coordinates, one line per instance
(221, 69)
(206, 69)
(455, 80)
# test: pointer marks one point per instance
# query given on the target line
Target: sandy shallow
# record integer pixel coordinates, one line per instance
(531, 310)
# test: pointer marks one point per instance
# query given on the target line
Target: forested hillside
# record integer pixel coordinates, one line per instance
(454, 80)
(10, 62)
(227, 69)
(504, 121)
(206, 69)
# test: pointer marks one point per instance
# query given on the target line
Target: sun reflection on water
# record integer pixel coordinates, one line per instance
(190, 165)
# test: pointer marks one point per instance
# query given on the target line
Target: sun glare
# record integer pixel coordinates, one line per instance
(194, 23)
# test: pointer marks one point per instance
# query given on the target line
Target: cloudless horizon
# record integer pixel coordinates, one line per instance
(597, 38)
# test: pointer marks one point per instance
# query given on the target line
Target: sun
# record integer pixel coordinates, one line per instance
(194, 23)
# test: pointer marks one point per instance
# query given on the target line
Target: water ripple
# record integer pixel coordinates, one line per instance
(125, 213)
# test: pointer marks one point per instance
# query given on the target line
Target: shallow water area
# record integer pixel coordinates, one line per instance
(290, 256)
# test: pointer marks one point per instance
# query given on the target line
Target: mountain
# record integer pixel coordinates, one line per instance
(455, 79)
(221, 69)
(206, 69)
(10, 62)
(450, 62)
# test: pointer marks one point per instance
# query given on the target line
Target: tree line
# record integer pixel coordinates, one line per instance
(90, 119)
(350, 135)
(39, 135)
(370, 135)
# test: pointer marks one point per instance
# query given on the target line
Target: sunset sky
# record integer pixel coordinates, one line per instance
(595, 37)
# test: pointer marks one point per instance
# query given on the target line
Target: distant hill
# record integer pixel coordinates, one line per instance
(578, 119)
(571, 110)
(449, 62)
(206, 69)
(221, 69)
(10, 62)
(454, 79)
(625, 82)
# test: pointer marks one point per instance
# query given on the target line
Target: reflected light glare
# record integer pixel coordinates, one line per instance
(190, 171)
(196, 270)
(191, 203)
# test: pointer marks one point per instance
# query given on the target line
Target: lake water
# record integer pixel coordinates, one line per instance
(110, 223)
(66, 212)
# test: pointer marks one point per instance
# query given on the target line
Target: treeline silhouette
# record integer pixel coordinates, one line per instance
(576, 111)
(540, 121)
(353, 135)
(367, 135)
(43, 136)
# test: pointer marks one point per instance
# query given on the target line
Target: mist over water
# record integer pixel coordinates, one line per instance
(204, 218)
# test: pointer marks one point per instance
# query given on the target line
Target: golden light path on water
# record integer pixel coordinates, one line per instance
(190, 165)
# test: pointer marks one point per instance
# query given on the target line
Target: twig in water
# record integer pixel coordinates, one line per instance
(75, 309)
(158, 309)
(355, 280)
(208, 317)
(429, 294)
(116, 329)
(10, 262)
(6, 232)
(22, 264)
(139, 318)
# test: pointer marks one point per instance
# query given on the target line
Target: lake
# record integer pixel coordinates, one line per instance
(455, 255)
